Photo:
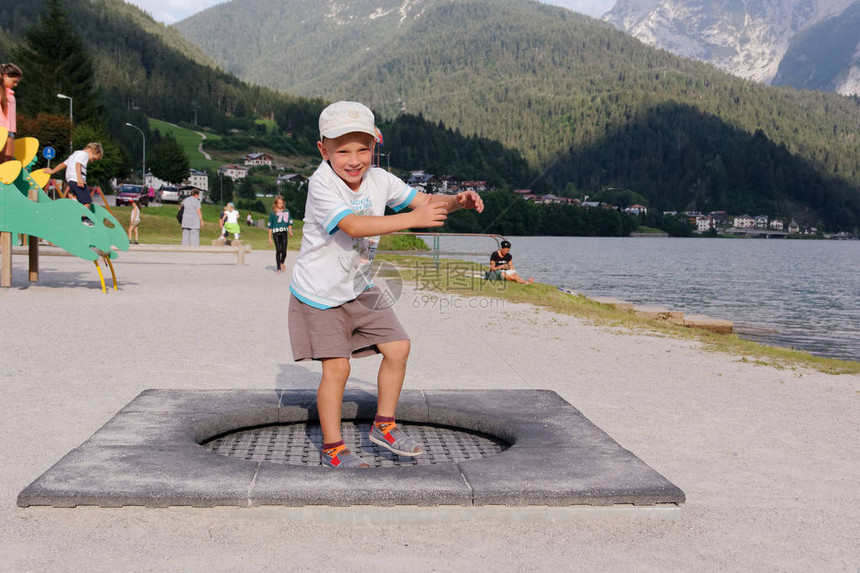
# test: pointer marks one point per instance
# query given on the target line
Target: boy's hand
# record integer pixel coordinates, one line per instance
(470, 200)
(430, 214)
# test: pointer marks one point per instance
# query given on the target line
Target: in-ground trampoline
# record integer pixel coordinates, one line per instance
(245, 448)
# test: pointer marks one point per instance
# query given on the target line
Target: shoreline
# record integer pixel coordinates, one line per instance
(720, 333)
(745, 282)
(753, 446)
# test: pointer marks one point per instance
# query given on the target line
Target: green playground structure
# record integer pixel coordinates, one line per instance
(26, 209)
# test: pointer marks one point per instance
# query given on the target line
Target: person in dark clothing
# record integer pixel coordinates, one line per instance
(280, 225)
(502, 261)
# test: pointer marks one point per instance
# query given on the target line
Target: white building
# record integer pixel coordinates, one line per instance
(705, 223)
(744, 222)
(233, 171)
(198, 179)
(255, 159)
(152, 181)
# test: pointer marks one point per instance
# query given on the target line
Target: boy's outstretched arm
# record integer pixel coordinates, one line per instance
(427, 211)
(464, 200)
(429, 214)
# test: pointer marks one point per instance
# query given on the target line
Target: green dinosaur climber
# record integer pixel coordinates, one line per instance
(57, 221)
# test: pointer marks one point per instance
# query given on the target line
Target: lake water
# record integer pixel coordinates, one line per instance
(801, 294)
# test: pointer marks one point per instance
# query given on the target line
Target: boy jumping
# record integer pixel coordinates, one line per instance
(335, 311)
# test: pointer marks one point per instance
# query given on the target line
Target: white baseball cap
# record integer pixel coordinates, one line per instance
(345, 117)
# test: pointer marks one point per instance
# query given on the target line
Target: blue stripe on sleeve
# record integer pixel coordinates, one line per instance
(331, 227)
(405, 203)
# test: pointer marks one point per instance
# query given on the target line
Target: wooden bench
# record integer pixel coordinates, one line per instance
(238, 250)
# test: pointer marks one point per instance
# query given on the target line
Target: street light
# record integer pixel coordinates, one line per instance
(143, 163)
(71, 117)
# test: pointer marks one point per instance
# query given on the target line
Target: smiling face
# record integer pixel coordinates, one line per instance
(350, 156)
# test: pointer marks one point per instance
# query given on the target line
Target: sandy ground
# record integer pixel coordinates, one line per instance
(768, 457)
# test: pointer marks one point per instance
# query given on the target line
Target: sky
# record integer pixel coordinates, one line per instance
(170, 11)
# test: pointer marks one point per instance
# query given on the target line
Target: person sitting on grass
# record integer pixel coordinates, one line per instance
(502, 261)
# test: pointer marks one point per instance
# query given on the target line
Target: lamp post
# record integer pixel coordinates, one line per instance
(143, 162)
(71, 118)
(387, 160)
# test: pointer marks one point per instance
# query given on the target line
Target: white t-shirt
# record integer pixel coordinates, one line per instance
(231, 217)
(79, 156)
(333, 268)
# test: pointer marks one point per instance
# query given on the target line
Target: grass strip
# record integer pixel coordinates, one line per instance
(463, 278)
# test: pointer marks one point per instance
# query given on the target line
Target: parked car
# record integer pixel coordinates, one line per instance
(168, 195)
(129, 193)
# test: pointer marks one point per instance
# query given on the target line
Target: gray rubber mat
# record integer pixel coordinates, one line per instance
(300, 444)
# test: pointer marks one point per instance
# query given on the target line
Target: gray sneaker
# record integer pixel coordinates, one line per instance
(342, 457)
(390, 437)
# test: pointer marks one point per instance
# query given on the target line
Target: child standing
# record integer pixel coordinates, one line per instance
(280, 224)
(11, 75)
(230, 221)
(134, 222)
(335, 311)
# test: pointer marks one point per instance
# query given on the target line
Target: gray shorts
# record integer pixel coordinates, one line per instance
(351, 329)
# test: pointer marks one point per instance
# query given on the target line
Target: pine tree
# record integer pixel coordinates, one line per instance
(54, 61)
(168, 160)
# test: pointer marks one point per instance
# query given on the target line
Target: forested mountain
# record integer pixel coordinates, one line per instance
(826, 56)
(143, 68)
(142, 64)
(588, 104)
(284, 43)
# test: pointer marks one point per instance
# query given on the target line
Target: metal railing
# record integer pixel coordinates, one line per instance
(436, 250)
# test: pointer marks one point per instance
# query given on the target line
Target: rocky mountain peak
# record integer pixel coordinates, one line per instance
(747, 38)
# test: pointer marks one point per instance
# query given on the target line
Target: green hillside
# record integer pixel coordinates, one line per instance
(574, 96)
(145, 69)
(147, 74)
(510, 91)
(17, 16)
(286, 43)
(190, 142)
